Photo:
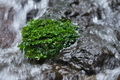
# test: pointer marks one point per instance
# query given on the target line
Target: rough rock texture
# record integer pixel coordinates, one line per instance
(59, 72)
(98, 46)
(6, 34)
(91, 54)
(96, 50)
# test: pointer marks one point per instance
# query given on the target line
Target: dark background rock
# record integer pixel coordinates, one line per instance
(118, 77)
(98, 46)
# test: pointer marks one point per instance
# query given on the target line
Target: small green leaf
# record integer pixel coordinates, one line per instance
(45, 38)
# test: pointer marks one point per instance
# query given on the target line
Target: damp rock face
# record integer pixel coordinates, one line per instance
(91, 54)
(118, 77)
(6, 34)
(98, 46)
(59, 72)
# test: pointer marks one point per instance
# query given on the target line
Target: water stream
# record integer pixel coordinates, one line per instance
(95, 56)
(13, 65)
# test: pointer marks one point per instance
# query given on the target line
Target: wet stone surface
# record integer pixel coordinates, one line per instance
(7, 35)
(118, 77)
(59, 72)
(91, 54)
(98, 46)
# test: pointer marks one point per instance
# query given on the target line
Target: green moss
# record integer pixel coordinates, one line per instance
(45, 38)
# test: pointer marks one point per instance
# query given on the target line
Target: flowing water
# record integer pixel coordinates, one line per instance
(96, 53)
(13, 17)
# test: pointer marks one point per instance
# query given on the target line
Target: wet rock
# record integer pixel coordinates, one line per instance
(2, 66)
(96, 50)
(7, 35)
(98, 46)
(37, 0)
(91, 54)
(52, 3)
(59, 72)
(53, 76)
(118, 77)
(31, 14)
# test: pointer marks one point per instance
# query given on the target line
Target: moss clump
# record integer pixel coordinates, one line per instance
(45, 38)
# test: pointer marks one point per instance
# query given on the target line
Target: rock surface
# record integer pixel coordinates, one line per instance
(98, 46)
(96, 50)
(6, 34)
(59, 72)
